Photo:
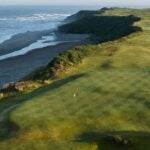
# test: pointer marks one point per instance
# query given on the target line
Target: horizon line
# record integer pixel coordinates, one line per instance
(105, 5)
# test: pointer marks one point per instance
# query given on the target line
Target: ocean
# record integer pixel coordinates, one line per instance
(15, 20)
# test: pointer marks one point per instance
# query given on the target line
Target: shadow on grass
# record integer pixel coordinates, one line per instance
(8, 128)
(119, 140)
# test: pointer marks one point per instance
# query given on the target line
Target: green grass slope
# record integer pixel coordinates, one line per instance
(100, 27)
(102, 103)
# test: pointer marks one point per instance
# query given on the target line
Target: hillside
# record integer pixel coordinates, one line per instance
(97, 96)
(101, 27)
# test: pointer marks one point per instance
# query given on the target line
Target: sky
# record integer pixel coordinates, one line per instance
(75, 2)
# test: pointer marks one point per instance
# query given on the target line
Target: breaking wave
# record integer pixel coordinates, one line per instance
(36, 17)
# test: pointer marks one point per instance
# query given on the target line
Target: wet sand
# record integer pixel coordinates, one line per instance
(15, 68)
(22, 40)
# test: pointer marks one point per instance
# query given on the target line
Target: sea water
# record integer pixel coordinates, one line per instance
(20, 19)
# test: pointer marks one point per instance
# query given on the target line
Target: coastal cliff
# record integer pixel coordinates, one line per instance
(92, 96)
(100, 27)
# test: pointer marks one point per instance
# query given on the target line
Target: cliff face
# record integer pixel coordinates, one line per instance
(85, 13)
(81, 14)
(102, 27)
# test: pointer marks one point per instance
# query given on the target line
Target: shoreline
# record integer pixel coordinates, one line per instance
(21, 40)
(36, 40)
(16, 68)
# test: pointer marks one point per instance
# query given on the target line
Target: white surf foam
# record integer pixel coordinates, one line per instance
(39, 44)
(44, 42)
(10, 26)
(36, 17)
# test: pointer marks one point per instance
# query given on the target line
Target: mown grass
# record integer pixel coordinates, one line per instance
(101, 104)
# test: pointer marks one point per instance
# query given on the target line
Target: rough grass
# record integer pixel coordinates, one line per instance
(101, 104)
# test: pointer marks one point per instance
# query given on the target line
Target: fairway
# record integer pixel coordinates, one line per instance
(102, 103)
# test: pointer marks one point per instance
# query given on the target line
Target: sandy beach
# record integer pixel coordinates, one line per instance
(15, 68)
(21, 40)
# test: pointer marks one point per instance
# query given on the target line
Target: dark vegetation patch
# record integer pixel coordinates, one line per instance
(102, 28)
(123, 140)
(17, 87)
(118, 140)
(81, 14)
(106, 140)
(63, 62)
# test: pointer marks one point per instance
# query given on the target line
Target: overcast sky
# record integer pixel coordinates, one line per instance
(75, 2)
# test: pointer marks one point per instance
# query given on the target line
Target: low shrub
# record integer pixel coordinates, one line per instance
(119, 140)
(63, 61)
